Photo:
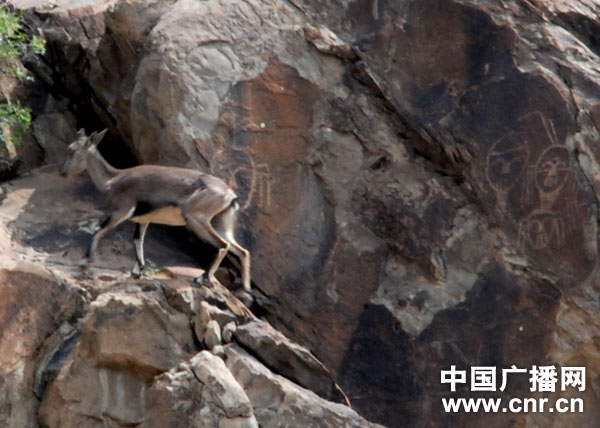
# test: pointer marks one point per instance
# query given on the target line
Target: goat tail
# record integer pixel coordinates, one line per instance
(235, 204)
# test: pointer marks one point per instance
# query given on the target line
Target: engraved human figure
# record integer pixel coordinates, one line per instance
(551, 173)
(505, 163)
(545, 225)
(540, 229)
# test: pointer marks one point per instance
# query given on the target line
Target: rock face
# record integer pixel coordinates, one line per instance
(279, 402)
(95, 348)
(223, 401)
(287, 358)
(34, 304)
(136, 363)
(419, 180)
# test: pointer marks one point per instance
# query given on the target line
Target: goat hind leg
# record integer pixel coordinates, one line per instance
(224, 224)
(244, 256)
(205, 231)
(138, 241)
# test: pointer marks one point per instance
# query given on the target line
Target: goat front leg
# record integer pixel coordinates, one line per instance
(110, 223)
(138, 241)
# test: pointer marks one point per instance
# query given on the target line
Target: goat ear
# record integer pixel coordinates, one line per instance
(81, 132)
(90, 139)
(95, 138)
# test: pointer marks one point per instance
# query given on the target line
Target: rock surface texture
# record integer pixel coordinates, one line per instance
(96, 348)
(419, 183)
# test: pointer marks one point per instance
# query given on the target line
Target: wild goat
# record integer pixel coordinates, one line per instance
(158, 194)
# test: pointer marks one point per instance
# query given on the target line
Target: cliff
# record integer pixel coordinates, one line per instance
(419, 183)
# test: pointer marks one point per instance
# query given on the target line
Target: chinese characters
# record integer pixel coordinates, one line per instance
(541, 378)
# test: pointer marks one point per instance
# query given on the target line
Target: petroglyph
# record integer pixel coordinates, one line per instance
(547, 124)
(551, 173)
(506, 161)
(541, 229)
(263, 186)
(538, 172)
(242, 181)
(545, 225)
(253, 183)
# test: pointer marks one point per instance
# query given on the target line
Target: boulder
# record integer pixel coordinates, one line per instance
(200, 392)
(226, 393)
(228, 332)
(54, 132)
(212, 334)
(287, 358)
(85, 395)
(279, 402)
(136, 332)
(132, 360)
(128, 337)
(34, 304)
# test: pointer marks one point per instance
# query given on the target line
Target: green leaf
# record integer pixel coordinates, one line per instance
(15, 43)
(38, 45)
(17, 118)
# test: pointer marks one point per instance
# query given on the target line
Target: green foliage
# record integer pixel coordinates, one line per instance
(17, 118)
(12, 39)
(150, 269)
(15, 43)
(38, 45)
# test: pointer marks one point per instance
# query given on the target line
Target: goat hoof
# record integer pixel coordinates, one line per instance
(136, 272)
(202, 280)
(245, 297)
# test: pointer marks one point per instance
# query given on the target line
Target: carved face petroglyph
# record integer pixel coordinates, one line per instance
(506, 162)
(552, 169)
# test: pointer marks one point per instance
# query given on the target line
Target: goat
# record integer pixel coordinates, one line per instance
(159, 194)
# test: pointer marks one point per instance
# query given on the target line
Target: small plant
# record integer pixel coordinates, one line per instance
(15, 119)
(150, 269)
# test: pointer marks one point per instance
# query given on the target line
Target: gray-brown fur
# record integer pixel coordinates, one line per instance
(166, 195)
